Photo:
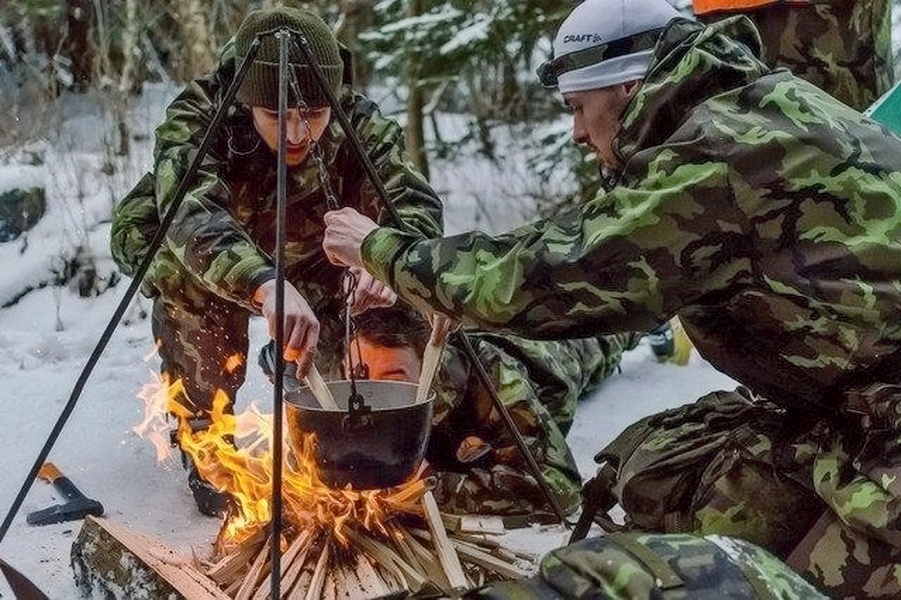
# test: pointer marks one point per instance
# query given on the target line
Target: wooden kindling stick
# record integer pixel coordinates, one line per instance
(320, 389)
(431, 357)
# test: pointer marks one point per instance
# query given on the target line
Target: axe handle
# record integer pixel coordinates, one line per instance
(51, 473)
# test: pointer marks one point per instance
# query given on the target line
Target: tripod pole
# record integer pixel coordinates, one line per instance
(283, 36)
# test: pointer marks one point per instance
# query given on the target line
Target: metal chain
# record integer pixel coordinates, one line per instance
(349, 282)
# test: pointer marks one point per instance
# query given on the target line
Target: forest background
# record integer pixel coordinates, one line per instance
(83, 83)
(474, 58)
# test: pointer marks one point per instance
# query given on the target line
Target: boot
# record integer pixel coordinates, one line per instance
(662, 342)
(210, 501)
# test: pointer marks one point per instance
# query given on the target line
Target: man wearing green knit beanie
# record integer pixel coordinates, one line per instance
(215, 269)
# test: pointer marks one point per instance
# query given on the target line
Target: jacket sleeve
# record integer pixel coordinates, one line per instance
(622, 262)
(204, 236)
(417, 205)
(134, 225)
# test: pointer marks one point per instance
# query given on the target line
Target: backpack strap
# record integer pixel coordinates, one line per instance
(597, 493)
(666, 578)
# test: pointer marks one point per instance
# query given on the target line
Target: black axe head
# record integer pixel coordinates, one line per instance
(73, 510)
(77, 505)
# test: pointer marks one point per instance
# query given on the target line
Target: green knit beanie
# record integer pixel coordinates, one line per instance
(260, 85)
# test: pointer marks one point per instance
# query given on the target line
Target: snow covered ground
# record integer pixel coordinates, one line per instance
(47, 336)
(103, 456)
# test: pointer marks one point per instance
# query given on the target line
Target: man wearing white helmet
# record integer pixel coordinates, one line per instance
(766, 215)
(599, 58)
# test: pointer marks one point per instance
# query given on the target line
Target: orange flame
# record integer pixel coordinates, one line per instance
(234, 455)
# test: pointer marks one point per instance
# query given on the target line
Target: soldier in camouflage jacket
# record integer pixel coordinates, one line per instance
(765, 214)
(216, 267)
(476, 464)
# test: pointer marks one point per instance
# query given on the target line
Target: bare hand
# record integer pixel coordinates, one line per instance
(345, 230)
(369, 292)
(301, 327)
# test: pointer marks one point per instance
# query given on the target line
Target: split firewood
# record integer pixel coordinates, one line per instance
(451, 522)
(502, 564)
(408, 496)
(295, 558)
(295, 582)
(446, 553)
(410, 553)
(258, 571)
(234, 565)
(483, 540)
(314, 592)
(388, 558)
(374, 585)
(297, 548)
(265, 585)
(419, 555)
(481, 524)
(391, 575)
(503, 554)
(334, 579)
(492, 524)
(347, 584)
(492, 563)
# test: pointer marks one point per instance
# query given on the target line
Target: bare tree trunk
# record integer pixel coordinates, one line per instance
(200, 56)
(414, 132)
(130, 52)
(356, 17)
(77, 44)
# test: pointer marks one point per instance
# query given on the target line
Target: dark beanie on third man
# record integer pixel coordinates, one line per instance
(260, 86)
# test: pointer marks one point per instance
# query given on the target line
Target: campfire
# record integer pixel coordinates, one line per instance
(335, 541)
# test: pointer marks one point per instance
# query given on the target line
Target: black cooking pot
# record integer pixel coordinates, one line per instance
(375, 440)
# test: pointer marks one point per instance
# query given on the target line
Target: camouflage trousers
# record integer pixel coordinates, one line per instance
(203, 341)
(539, 382)
(800, 487)
(842, 46)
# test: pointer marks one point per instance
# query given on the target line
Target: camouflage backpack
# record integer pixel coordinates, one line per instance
(660, 566)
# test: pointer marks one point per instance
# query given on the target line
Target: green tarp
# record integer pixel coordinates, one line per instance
(887, 110)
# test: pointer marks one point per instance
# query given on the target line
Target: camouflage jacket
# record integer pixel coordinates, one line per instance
(224, 232)
(756, 207)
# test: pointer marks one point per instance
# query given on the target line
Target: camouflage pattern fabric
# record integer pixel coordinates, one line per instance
(711, 218)
(736, 465)
(540, 383)
(220, 246)
(841, 46)
(668, 567)
(762, 211)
